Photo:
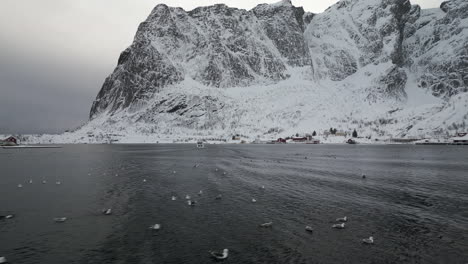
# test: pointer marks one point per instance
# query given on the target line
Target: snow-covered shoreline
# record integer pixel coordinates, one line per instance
(71, 139)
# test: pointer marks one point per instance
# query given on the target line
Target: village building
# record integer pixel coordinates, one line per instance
(460, 139)
(10, 141)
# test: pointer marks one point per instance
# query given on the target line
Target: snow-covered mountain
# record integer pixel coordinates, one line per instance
(384, 67)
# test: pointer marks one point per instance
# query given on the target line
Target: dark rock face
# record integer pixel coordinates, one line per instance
(284, 25)
(353, 34)
(436, 48)
(225, 47)
(217, 46)
(140, 73)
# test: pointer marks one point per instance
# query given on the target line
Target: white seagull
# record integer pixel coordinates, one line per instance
(369, 240)
(60, 219)
(220, 255)
(20, 185)
(342, 219)
(200, 192)
(3, 260)
(174, 198)
(30, 181)
(339, 226)
(187, 197)
(155, 227)
(58, 183)
(269, 224)
(309, 229)
(107, 211)
(254, 200)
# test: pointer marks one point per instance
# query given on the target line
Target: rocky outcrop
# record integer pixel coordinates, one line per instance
(436, 48)
(216, 45)
(373, 49)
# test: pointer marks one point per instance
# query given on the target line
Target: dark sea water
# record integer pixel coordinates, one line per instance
(414, 202)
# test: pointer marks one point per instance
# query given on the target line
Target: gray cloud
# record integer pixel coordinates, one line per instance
(55, 54)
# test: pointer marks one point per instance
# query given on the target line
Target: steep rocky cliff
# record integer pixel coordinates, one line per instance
(386, 67)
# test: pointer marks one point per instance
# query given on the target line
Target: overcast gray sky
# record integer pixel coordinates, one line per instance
(55, 54)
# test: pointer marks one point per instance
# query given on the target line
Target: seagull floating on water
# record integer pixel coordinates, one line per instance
(30, 181)
(369, 240)
(155, 227)
(196, 165)
(187, 197)
(339, 226)
(220, 255)
(342, 219)
(3, 260)
(44, 182)
(144, 180)
(200, 192)
(269, 224)
(218, 197)
(216, 169)
(254, 200)
(20, 185)
(224, 173)
(263, 187)
(58, 183)
(107, 211)
(60, 219)
(6, 216)
(191, 203)
(309, 229)
(174, 198)
(174, 172)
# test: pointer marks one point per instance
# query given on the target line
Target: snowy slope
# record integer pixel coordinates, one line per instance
(383, 67)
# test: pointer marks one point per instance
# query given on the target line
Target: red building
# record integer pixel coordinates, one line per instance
(281, 140)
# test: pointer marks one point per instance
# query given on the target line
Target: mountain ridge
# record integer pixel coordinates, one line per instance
(276, 70)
